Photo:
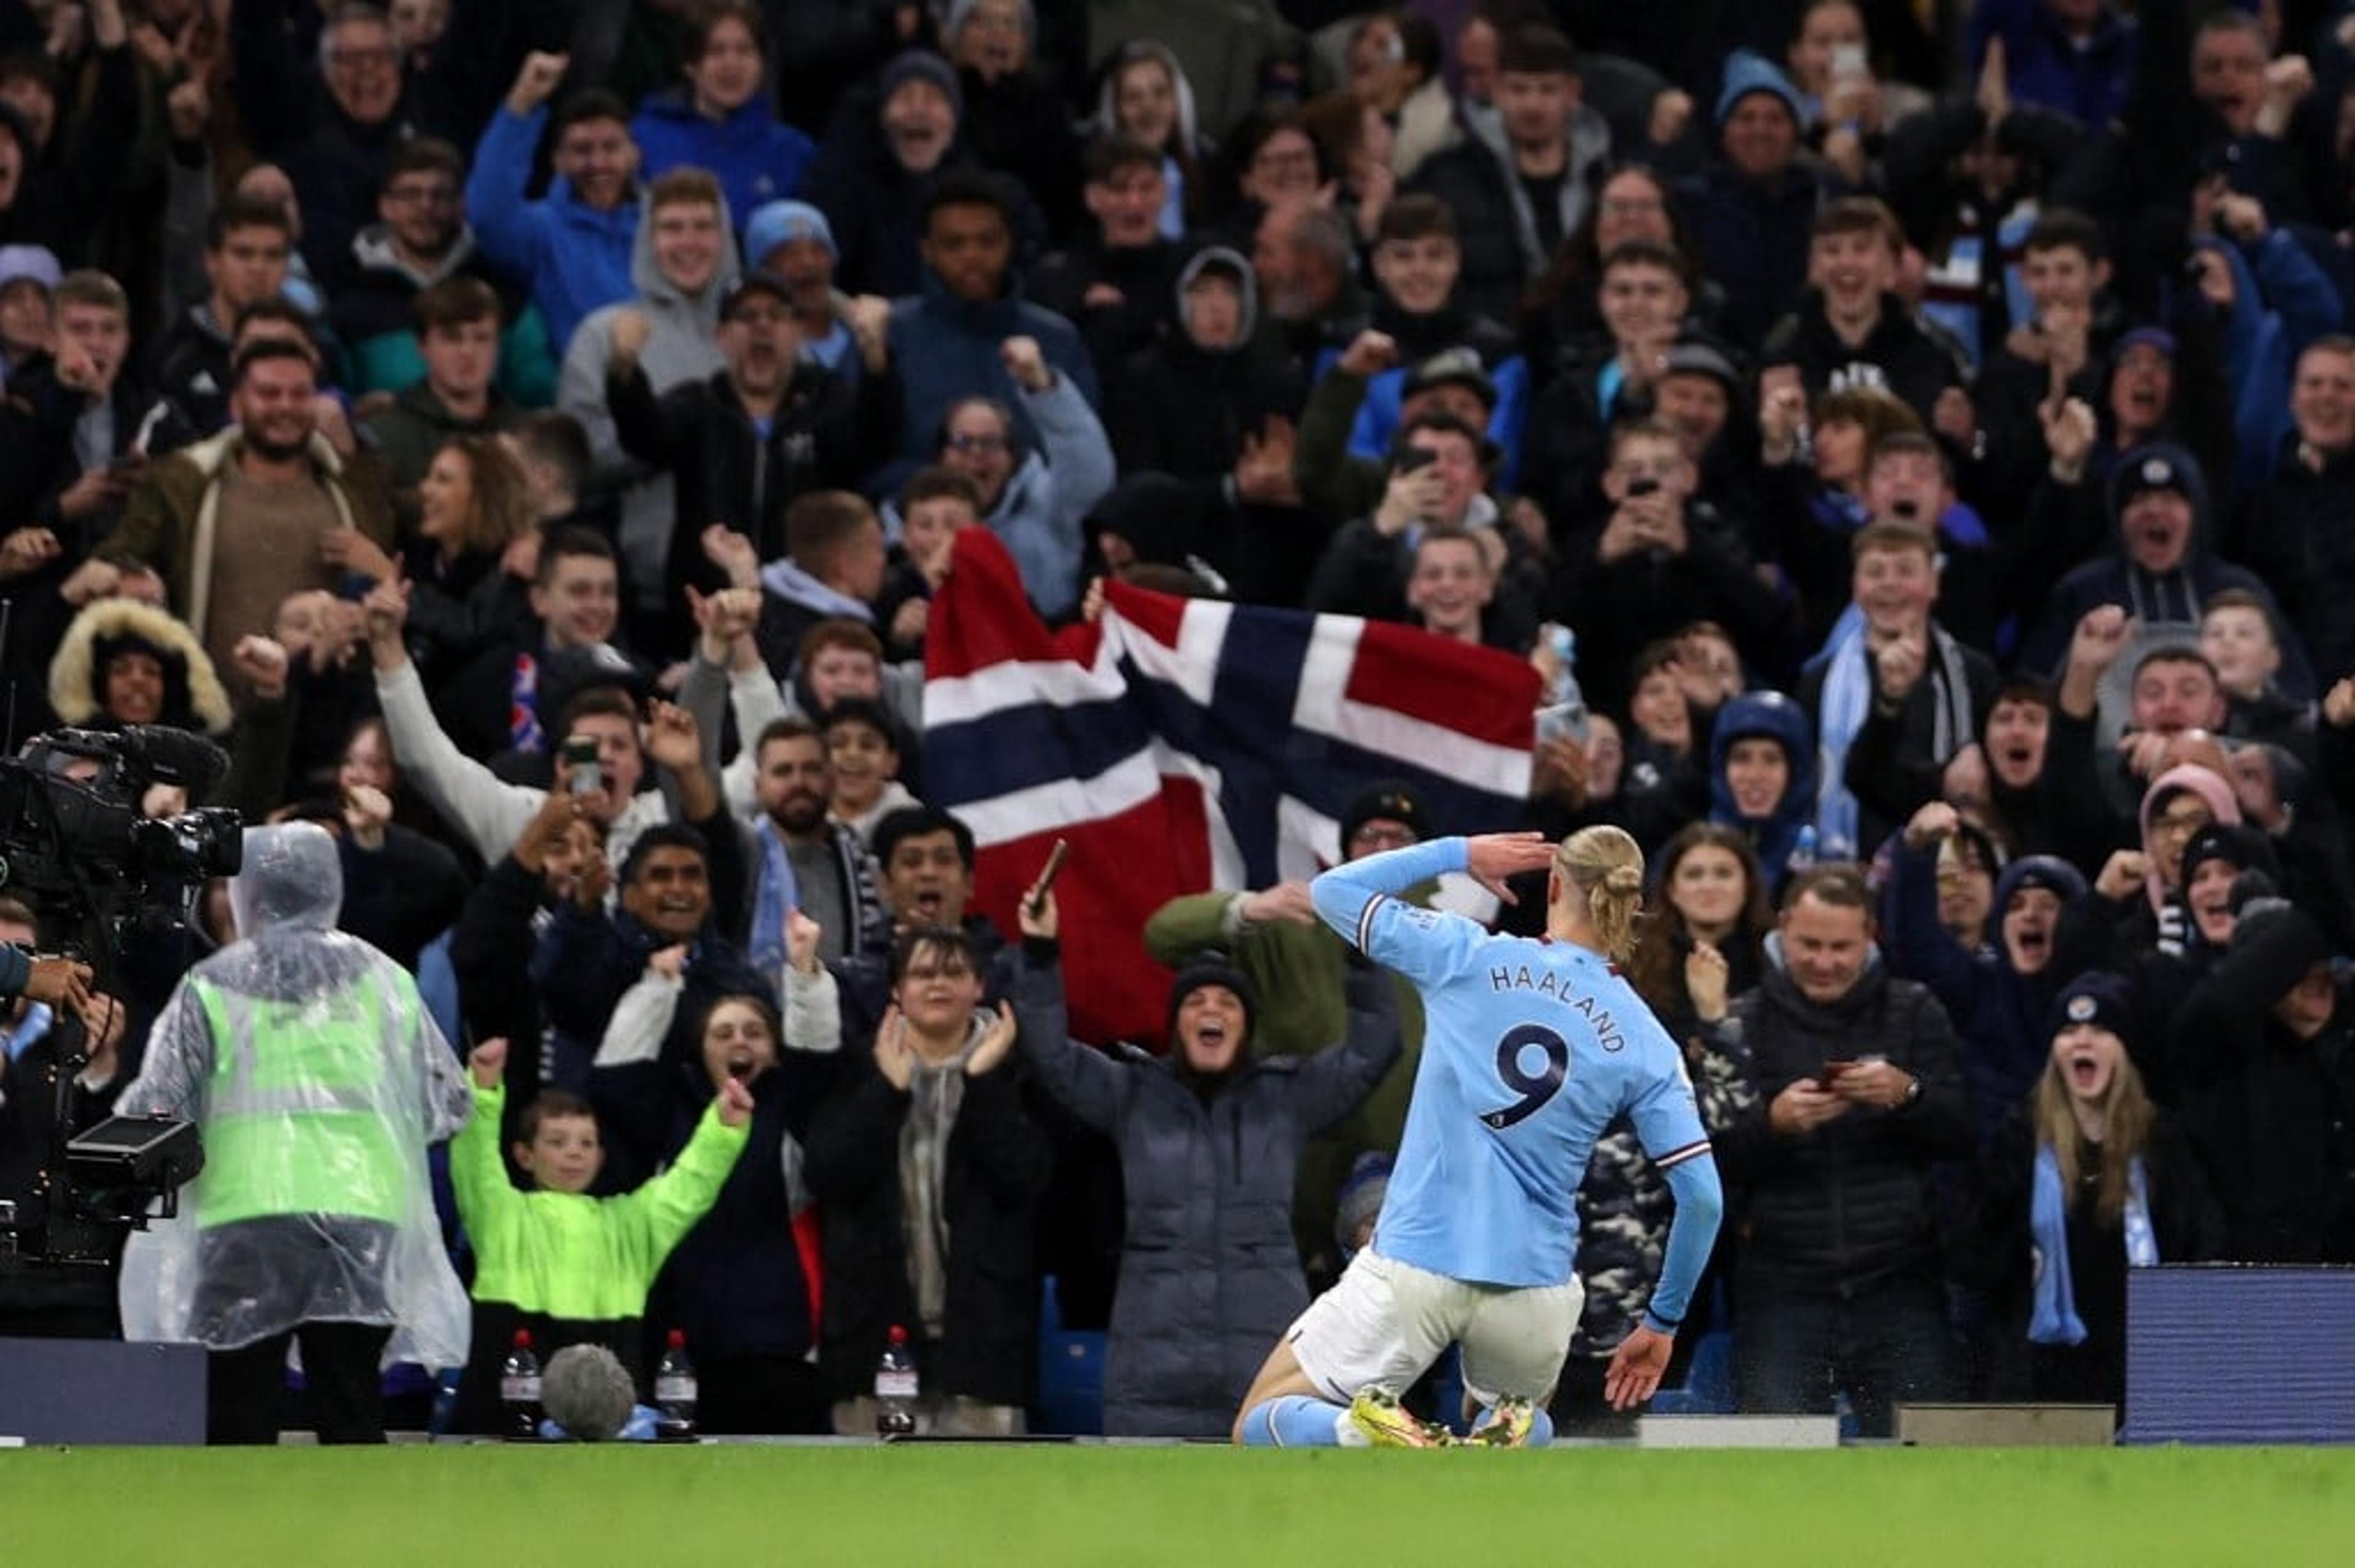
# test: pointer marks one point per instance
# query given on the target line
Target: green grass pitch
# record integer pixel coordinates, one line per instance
(1204, 1507)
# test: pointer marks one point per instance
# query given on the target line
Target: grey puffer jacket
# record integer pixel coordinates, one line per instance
(1208, 1275)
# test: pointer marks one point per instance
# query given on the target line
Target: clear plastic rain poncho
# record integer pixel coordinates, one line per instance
(316, 1080)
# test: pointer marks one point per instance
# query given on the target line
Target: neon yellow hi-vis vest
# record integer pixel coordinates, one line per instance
(295, 1120)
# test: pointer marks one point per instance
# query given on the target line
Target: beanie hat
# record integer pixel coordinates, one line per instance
(1390, 800)
(2050, 872)
(2292, 940)
(2099, 998)
(1214, 972)
(773, 223)
(960, 11)
(2238, 846)
(1747, 71)
(29, 263)
(2157, 466)
(922, 64)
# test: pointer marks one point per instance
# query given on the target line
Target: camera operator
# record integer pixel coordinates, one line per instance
(40, 1001)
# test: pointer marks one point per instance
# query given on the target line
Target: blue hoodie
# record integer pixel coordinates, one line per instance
(757, 158)
(2281, 301)
(2000, 1015)
(573, 257)
(1777, 718)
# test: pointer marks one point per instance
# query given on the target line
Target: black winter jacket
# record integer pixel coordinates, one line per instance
(828, 430)
(1210, 1275)
(1850, 1204)
(997, 1168)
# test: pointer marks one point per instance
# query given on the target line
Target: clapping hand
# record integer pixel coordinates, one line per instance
(995, 1041)
(894, 1057)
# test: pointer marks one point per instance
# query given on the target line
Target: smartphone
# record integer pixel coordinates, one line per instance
(1416, 458)
(1831, 1070)
(1645, 486)
(1055, 858)
(1848, 59)
(581, 773)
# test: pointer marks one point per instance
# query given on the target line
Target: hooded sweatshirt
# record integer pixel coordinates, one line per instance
(757, 158)
(683, 346)
(1776, 835)
(574, 257)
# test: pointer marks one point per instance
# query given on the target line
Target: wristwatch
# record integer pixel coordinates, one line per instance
(1912, 1092)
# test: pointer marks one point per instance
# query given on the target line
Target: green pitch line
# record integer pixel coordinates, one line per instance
(1201, 1508)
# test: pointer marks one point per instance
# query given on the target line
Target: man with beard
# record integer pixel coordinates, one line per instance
(266, 509)
(802, 860)
(676, 883)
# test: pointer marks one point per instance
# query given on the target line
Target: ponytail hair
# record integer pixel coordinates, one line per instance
(1606, 865)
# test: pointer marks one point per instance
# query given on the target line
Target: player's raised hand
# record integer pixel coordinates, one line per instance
(1493, 859)
(1637, 1367)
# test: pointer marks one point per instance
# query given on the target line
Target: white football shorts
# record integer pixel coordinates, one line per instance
(1386, 1321)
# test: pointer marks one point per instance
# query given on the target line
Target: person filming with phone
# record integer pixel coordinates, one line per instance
(1439, 474)
(1661, 560)
(1860, 1094)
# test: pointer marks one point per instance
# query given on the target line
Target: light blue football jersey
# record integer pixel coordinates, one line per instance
(1530, 1049)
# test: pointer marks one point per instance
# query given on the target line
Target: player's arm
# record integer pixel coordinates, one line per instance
(1361, 900)
(1667, 1124)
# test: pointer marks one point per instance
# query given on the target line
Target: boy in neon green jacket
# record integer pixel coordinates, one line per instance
(572, 1268)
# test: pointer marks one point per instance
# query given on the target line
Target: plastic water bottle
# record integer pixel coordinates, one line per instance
(1803, 851)
(1565, 704)
(674, 1392)
(519, 1390)
(895, 1387)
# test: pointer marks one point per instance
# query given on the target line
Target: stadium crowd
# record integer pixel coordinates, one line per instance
(529, 440)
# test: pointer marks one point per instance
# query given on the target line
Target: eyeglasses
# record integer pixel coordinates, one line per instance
(1374, 836)
(973, 443)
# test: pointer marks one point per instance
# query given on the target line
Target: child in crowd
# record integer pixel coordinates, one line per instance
(571, 1268)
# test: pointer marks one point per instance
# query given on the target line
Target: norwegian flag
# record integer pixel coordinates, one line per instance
(1186, 744)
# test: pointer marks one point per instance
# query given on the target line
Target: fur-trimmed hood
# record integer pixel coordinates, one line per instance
(193, 695)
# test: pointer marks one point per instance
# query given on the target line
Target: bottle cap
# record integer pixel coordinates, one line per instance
(899, 1335)
(523, 1340)
(677, 1340)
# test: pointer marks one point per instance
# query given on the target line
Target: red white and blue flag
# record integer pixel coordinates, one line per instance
(1182, 745)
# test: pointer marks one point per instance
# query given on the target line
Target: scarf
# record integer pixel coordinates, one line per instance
(523, 732)
(1847, 701)
(775, 898)
(936, 1093)
(2053, 1318)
